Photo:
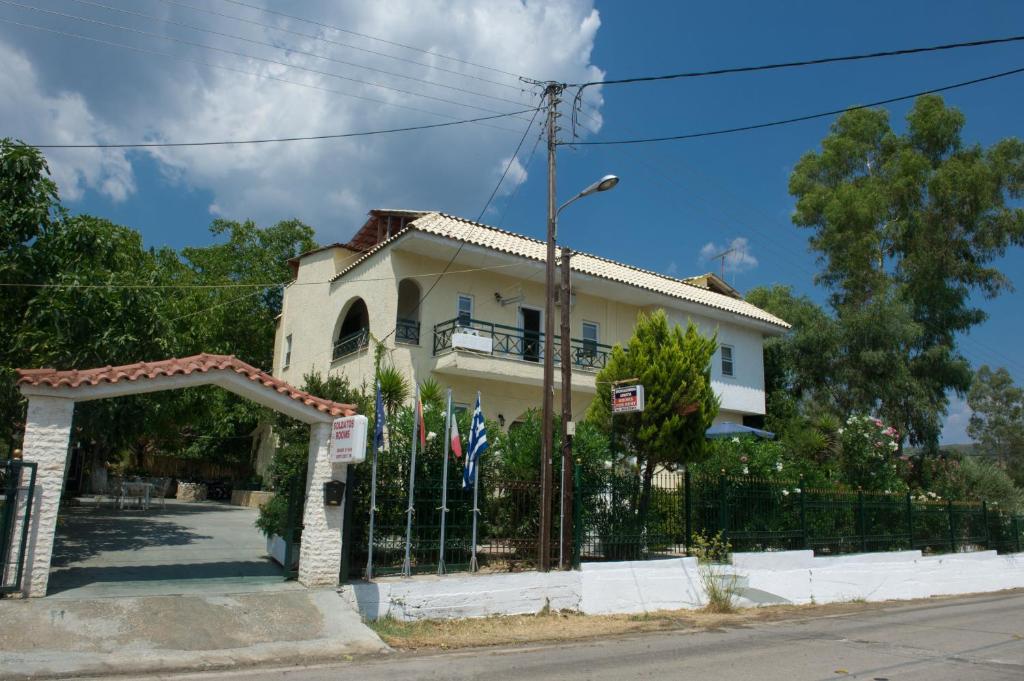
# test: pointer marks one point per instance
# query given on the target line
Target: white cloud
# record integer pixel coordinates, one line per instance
(954, 428)
(672, 269)
(330, 184)
(30, 113)
(516, 175)
(738, 259)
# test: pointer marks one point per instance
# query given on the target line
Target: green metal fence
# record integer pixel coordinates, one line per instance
(615, 518)
(17, 486)
(618, 521)
(507, 532)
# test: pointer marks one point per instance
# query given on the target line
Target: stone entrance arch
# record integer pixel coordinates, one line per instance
(52, 395)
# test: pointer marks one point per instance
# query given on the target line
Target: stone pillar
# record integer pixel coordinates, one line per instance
(47, 431)
(320, 551)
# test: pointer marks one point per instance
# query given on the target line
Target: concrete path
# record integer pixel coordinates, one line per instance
(205, 547)
(978, 638)
(46, 637)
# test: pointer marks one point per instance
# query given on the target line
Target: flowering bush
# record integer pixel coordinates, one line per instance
(766, 459)
(869, 457)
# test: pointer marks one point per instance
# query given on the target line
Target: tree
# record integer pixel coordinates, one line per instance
(997, 418)
(675, 369)
(799, 366)
(906, 227)
(29, 206)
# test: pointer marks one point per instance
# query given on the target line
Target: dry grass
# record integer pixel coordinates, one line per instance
(550, 627)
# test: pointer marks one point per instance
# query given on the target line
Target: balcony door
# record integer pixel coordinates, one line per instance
(529, 322)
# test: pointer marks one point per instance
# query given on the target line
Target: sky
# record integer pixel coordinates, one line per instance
(79, 71)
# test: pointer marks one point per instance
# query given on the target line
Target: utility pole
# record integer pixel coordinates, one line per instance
(551, 92)
(565, 544)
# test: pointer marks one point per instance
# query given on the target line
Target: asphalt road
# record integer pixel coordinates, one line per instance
(970, 639)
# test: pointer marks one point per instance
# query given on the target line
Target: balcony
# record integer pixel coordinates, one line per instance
(407, 331)
(352, 343)
(509, 342)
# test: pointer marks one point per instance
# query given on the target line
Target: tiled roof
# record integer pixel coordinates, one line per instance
(203, 363)
(478, 234)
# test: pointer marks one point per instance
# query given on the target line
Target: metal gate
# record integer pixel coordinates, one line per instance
(17, 484)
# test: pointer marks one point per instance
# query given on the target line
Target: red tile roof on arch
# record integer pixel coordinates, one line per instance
(202, 363)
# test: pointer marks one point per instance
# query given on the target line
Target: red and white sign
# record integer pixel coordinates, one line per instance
(627, 398)
(348, 440)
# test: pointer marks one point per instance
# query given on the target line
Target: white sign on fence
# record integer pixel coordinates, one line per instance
(627, 398)
(348, 440)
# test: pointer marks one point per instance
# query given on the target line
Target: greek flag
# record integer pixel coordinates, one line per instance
(477, 446)
(378, 429)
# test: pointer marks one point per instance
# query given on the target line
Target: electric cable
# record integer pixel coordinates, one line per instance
(271, 140)
(804, 62)
(244, 55)
(370, 37)
(312, 36)
(797, 119)
(295, 50)
(242, 71)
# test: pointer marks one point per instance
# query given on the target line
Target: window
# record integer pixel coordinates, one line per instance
(590, 338)
(465, 309)
(727, 364)
(287, 351)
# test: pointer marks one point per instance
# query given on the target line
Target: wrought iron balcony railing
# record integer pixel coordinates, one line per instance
(407, 331)
(352, 343)
(512, 342)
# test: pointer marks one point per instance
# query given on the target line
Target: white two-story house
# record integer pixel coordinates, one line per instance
(479, 327)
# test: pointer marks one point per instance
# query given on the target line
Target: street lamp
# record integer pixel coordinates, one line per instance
(565, 528)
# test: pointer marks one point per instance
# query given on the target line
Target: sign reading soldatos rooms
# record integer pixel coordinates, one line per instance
(348, 440)
(627, 398)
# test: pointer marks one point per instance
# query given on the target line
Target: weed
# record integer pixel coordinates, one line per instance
(713, 553)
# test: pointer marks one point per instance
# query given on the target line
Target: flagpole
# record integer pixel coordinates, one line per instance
(444, 480)
(407, 565)
(378, 408)
(473, 565)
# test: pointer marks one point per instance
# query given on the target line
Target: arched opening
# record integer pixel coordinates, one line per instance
(354, 331)
(407, 325)
(130, 532)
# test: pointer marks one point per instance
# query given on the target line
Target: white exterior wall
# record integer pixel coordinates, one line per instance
(674, 584)
(313, 311)
(47, 433)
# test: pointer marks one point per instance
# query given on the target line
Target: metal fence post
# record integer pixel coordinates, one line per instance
(1016, 531)
(984, 522)
(687, 509)
(803, 513)
(910, 521)
(952, 526)
(862, 521)
(347, 521)
(577, 515)
(723, 505)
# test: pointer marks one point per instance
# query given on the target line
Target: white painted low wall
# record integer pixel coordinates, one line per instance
(646, 586)
(466, 595)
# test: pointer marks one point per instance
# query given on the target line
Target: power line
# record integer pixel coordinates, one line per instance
(261, 286)
(798, 119)
(312, 36)
(271, 140)
(202, 62)
(805, 62)
(244, 55)
(295, 50)
(462, 242)
(370, 37)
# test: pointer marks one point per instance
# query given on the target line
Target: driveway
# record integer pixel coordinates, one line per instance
(182, 548)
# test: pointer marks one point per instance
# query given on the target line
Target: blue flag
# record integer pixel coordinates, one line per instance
(378, 428)
(477, 445)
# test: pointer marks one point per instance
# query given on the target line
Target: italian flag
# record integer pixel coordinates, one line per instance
(456, 442)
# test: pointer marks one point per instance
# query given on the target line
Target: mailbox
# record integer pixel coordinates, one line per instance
(334, 493)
